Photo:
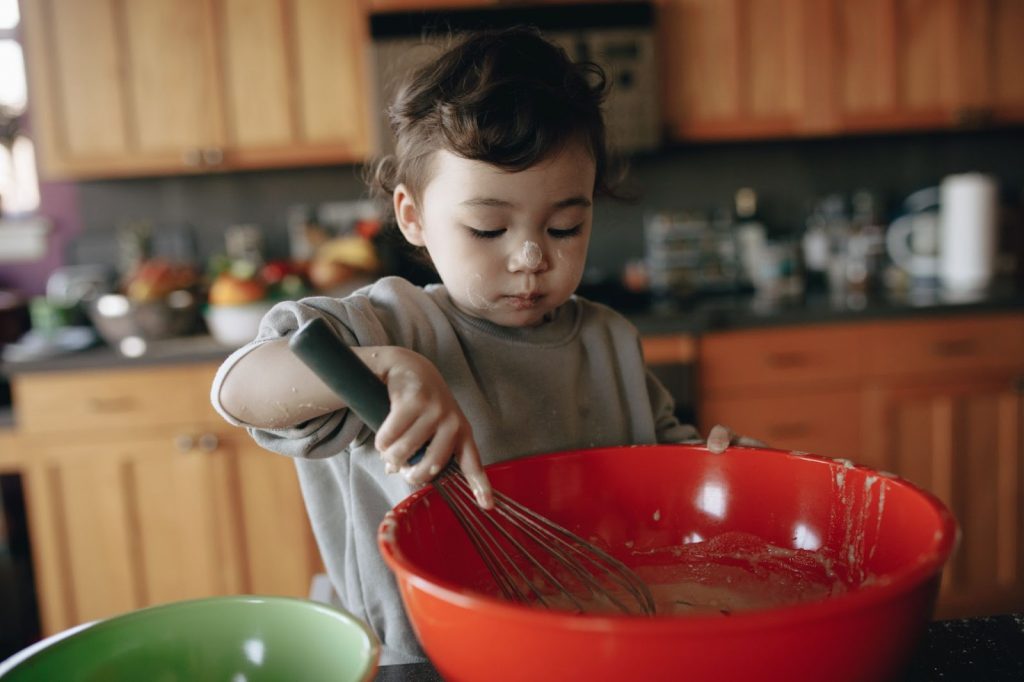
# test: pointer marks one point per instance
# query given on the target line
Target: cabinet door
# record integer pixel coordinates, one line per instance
(1007, 43)
(962, 441)
(900, 63)
(823, 422)
(293, 81)
(78, 102)
(171, 79)
(282, 555)
(731, 68)
(121, 525)
(121, 88)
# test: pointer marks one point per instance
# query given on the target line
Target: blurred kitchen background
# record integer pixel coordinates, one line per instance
(789, 161)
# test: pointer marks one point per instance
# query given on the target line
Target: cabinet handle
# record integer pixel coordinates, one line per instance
(213, 156)
(191, 157)
(787, 360)
(208, 442)
(955, 348)
(184, 442)
(791, 430)
(972, 117)
(108, 405)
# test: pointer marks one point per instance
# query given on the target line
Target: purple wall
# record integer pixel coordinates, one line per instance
(58, 202)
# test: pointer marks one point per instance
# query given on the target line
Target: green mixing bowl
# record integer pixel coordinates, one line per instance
(256, 639)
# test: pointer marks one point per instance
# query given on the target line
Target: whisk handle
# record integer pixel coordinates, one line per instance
(330, 358)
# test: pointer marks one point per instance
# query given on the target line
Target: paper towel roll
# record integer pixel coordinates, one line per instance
(968, 221)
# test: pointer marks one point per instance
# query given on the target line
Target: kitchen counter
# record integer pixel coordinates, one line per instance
(199, 348)
(732, 312)
(990, 649)
(719, 313)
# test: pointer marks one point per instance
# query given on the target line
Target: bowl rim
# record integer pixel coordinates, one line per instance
(367, 671)
(928, 566)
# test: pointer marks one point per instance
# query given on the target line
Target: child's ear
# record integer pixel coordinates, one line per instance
(408, 216)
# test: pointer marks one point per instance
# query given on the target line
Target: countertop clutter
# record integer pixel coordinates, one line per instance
(697, 317)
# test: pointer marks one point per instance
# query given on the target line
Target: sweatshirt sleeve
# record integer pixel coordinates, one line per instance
(353, 320)
(666, 425)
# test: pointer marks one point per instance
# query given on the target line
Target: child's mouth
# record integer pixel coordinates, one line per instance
(524, 301)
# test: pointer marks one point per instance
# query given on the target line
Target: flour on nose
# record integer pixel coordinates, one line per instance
(531, 254)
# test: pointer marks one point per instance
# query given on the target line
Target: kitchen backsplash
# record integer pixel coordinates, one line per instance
(786, 175)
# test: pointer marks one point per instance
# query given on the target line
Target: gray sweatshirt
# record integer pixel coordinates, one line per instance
(577, 381)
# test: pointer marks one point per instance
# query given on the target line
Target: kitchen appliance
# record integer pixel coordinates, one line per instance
(885, 539)
(258, 639)
(532, 560)
(948, 234)
(968, 228)
(617, 35)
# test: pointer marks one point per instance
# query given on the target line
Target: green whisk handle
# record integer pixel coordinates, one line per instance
(330, 358)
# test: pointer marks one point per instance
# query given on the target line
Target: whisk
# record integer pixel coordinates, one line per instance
(532, 559)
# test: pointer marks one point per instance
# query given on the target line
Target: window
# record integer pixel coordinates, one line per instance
(19, 184)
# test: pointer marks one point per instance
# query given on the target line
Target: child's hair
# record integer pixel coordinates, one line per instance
(509, 98)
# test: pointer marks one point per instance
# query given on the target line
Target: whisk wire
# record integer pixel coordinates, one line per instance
(501, 566)
(582, 560)
(493, 548)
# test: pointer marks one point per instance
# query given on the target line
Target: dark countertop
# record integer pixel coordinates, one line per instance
(700, 316)
(732, 312)
(199, 348)
(978, 649)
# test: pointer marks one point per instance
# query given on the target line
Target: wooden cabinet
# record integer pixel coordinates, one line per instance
(794, 388)
(126, 88)
(944, 407)
(772, 68)
(731, 68)
(939, 402)
(138, 494)
(903, 64)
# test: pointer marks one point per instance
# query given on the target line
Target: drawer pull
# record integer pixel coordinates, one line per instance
(184, 442)
(791, 430)
(112, 405)
(955, 348)
(208, 442)
(787, 360)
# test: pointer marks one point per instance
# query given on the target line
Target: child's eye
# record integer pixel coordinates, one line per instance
(566, 233)
(485, 234)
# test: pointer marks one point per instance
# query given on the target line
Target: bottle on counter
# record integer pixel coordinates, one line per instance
(751, 236)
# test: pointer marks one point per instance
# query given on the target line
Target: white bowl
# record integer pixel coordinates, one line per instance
(236, 325)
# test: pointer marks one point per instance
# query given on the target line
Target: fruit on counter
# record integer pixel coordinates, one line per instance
(342, 259)
(154, 279)
(230, 289)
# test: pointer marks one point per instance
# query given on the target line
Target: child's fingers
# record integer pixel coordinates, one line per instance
(719, 438)
(395, 426)
(469, 461)
(436, 456)
(417, 434)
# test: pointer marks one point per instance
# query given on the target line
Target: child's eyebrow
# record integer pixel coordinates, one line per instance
(501, 203)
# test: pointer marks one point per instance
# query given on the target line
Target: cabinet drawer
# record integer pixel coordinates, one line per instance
(940, 347)
(776, 358)
(111, 400)
(821, 422)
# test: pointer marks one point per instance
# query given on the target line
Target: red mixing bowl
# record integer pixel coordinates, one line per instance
(884, 538)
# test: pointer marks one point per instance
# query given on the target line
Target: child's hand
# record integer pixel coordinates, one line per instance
(423, 410)
(721, 437)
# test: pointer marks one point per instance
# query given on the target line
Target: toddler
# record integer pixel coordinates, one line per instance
(500, 153)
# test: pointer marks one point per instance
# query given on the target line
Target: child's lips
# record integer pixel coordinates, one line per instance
(524, 301)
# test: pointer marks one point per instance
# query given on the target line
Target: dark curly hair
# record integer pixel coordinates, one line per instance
(509, 98)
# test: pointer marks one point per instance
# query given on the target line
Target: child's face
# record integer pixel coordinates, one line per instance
(509, 247)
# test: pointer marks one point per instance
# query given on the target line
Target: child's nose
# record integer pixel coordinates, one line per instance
(528, 258)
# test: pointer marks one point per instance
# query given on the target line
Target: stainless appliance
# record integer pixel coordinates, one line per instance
(619, 36)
